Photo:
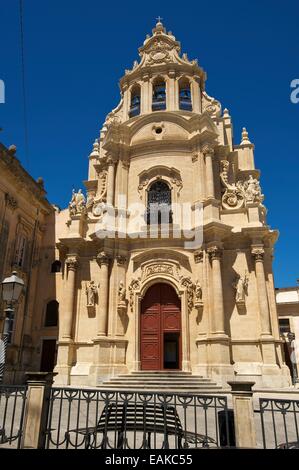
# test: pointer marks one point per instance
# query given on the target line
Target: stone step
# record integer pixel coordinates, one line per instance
(161, 372)
(157, 381)
(157, 377)
(164, 388)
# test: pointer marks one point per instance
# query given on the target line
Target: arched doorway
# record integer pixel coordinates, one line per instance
(160, 338)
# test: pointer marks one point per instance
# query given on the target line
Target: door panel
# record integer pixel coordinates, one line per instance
(160, 314)
(48, 355)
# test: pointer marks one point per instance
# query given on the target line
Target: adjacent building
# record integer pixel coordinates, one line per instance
(287, 300)
(26, 222)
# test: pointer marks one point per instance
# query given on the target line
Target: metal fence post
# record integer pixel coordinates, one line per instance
(36, 411)
(243, 414)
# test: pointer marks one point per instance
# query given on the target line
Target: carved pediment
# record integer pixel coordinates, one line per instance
(160, 266)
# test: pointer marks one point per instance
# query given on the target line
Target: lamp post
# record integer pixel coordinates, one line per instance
(11, 290)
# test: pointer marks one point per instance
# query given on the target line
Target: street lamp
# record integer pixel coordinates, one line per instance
(11, 290)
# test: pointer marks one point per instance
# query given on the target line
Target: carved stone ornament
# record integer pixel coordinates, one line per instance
(207, 150)
(160, 267)
(103, 258)
(158, 173)
(121, 260)
(187, 282)
(258, 253)
(214, 252)
(198, 256)
(238, 195)
(211, 105)
(77, 205)
(11, 202)
(72, 262)
(133, 287)
(97, 203)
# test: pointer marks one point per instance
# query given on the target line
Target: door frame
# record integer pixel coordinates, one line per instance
(182, 293)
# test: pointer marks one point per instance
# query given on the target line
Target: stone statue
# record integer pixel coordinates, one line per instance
(253, 192)
(91, 292)
(78, 203)
(240, 285)
(121, 292)
(198, 292)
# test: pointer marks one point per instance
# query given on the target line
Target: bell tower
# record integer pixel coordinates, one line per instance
(173, 205)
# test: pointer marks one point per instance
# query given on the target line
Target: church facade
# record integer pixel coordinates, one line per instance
(166, 264)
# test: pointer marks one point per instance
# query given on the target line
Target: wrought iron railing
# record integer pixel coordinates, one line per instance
(81, 418)
(279, 423)
(12, 408)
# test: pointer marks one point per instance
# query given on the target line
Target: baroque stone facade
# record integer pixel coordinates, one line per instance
(168, 141)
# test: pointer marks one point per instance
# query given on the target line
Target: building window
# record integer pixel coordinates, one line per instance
(284, 325)
(135, 101)
(51, 318)
(159, 95)
(159, 204)
(56, 267)
(21, 251)
(185, 102)
(3, 247)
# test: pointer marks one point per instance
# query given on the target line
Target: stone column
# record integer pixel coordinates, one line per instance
(145, 95)
(36, 411)
(122, 319)
(69, 296)
(258, 254)
(243, 414)
(171, 91)
(126, 105)
(208, 152)
(218, 308)
(103, 260)
(195, 94)
(110, 181)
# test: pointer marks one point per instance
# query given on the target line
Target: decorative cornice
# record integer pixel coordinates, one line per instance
(23, 181)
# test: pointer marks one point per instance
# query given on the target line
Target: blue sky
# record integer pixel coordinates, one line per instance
(76, 51)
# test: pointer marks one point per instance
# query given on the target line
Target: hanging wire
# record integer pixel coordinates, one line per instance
(24, 84)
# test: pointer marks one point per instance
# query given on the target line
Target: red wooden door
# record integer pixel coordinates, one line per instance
(160, 315)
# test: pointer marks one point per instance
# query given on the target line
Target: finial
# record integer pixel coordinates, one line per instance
(159, 28)
(40, 181)
(12, 149)
(245, 138)
(95, 150)
(226, 113)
